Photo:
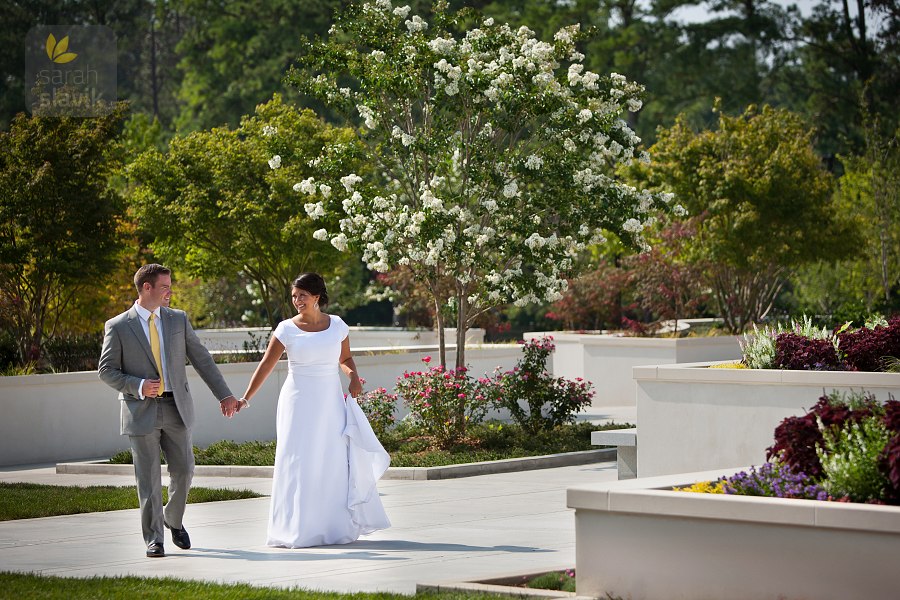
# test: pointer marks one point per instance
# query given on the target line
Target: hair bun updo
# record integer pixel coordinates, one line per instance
(315, 285)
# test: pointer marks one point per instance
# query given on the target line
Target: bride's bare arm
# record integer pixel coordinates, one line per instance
(264, 368)
(349, 368)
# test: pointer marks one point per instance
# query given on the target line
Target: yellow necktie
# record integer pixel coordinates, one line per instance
(157, 355)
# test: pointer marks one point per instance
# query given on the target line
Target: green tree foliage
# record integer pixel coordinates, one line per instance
(764, 203)
(847, 50)
(59, 219)
(146, 34)
(868, 195)
(668, 281)
(213, 206)
(870, 191)
(234, 55)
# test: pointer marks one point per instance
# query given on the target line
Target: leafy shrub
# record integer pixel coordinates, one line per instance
(889, 462)
(759, 349)
(443, 402)
(892, 415)
(796, 438)
(869, 349)
(9, 354)
(793, 351)
(556, 580)
(774, 479)
(850, 460)
(379, 406)
(592, 300)
(72, 352)
(534, 399)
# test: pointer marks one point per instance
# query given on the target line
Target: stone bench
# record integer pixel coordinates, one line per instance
(625, 441)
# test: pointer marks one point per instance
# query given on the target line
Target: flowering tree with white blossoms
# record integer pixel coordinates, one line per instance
(493, 155)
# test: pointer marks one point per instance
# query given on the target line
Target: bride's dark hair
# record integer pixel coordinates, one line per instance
(315, 285)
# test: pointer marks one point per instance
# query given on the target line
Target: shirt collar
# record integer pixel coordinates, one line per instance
(144, 313)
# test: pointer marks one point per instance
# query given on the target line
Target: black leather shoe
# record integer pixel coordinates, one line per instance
(155, 550)
(180, 537)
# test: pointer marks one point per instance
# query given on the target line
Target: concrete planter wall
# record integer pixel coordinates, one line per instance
(74, 416)
(637, 539)
(607, 360)
(691, 418)
(360, 337)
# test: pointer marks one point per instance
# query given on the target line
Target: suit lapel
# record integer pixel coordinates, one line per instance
(166, 316)
(134, 321)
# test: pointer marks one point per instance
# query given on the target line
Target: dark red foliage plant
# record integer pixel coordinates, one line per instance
(892, 415)
(890, 464)
(796, 438)
(794, 351)
(593, 300)
(866, 349)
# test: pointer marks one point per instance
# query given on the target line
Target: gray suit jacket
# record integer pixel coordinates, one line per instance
(126, 359)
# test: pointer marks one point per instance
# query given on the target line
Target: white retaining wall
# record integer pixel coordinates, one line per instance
(635, 539)
(360, 337)
(75, 416)
(691, 418)
(607, 360)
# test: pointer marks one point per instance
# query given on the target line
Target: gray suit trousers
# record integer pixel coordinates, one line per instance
(170, 435)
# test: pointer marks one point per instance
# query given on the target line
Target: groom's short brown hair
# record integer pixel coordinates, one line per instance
(149, 274)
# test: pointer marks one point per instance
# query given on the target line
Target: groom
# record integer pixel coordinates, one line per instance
(143, 358)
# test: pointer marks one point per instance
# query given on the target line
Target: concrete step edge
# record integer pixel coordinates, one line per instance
(509, 465)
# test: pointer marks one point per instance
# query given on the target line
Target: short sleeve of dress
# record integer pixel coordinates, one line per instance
(279, 332)
(343, 328)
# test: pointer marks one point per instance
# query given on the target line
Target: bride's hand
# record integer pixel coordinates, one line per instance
(355, 387)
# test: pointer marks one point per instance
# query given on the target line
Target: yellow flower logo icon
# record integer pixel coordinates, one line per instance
(56, 51)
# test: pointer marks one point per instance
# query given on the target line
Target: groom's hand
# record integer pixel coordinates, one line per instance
(230, 406)
(151, 388)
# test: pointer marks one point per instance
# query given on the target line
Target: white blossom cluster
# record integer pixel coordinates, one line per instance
(479, 214)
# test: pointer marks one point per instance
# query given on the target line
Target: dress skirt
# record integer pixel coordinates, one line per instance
(327, 460)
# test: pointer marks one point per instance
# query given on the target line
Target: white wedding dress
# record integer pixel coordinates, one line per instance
(327, 459)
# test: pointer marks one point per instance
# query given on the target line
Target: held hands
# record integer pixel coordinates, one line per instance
(230, 406)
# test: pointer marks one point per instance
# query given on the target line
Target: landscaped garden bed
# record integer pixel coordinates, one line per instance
(818, 519)
(874, 347)
(447, 407)
(409, 448)
(846, 448)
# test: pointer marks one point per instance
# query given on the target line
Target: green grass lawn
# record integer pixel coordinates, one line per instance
(15, 585)
(31, 500)
(486, 441)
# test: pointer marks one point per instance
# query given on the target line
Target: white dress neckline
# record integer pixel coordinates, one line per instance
(305, 331)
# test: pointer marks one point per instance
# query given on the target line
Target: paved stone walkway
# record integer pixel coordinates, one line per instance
(452, 530)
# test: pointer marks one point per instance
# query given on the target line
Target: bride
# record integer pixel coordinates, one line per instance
(327, 459)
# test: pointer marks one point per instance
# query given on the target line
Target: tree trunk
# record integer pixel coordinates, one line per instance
(461, 313)
(439, 323)
(461, 328)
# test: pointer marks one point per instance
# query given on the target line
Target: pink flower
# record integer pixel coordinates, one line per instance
(426, 360)
(460, 396)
